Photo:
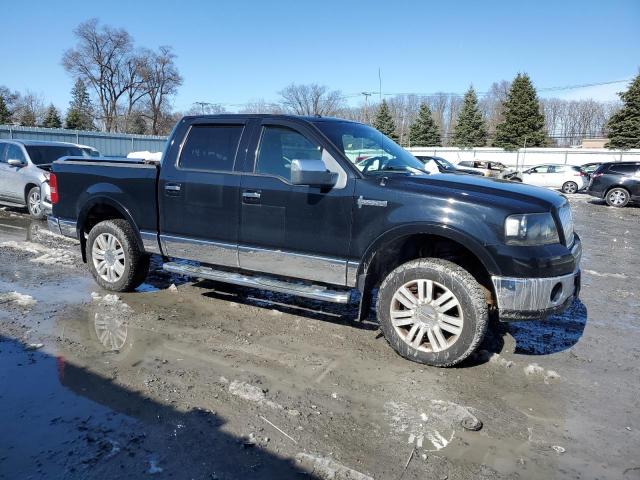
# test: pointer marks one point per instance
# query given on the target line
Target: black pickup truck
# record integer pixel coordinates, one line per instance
(322, 208)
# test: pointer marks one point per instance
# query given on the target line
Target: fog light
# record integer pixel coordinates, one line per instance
(556, 292)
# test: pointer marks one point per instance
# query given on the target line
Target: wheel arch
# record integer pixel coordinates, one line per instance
(403, 244)
(99, 209)
(27, 189)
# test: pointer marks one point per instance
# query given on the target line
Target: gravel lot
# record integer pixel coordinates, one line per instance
(188, 379)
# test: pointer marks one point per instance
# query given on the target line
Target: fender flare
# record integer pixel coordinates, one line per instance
(475, 247)
(104, 200)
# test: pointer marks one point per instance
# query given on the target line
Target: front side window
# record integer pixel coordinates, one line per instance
(540, 169)
(211, 148)
(279, 146)
(14, 152)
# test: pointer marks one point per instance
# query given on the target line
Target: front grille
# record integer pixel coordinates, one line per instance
(566, 220)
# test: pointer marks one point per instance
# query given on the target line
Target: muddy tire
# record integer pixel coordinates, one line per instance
(115, 260)
(617, 197)
(34, 206)
(432, 311)
(569, 187)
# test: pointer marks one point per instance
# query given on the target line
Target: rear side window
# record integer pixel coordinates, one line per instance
(211, 147)
(623, 169)
(3, 148)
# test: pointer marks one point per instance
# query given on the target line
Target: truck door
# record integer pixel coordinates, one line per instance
(14, 181)
(293, 230)
(198, 193)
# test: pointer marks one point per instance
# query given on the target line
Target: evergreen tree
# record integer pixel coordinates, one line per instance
(470, 131)
(423, 132)
(522, 117)
(138, 125)
(73, 120)
(80, 113)
(384, 121)
(624, 126)
(52, 118)
(5, 114)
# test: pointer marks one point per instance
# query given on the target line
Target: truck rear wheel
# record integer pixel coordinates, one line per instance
(432, 311)
(115, 260)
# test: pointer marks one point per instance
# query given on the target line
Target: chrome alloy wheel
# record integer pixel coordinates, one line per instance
(426, 315)
(108, 257)
(33, 203)
(617, 197)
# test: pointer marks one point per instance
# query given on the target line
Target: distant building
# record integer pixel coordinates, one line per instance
(593, 142)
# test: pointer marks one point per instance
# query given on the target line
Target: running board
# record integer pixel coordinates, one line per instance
(315, 292)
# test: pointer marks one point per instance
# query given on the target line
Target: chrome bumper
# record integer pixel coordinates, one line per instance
(534, 298)
(62, 227)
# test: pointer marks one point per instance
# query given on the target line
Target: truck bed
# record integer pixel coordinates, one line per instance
(126, 184)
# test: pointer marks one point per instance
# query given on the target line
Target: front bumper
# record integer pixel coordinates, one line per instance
(62, 227)
(535, 298)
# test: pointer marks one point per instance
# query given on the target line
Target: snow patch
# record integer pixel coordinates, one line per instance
(251, 393)
(328, 469)
(610, 275)
(18, 298)
(47, 255)
(536, 370)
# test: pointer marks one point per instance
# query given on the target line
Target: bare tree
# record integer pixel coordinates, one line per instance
(312, 99)
(260, 105)
(29, 109)
(492, 105)
(160, 79)
(102, 60)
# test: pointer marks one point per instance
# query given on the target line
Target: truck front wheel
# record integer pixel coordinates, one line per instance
(432, 311)
(115, 260)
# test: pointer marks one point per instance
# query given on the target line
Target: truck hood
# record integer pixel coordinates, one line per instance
(520, 198)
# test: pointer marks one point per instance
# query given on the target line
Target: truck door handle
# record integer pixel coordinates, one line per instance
(251, 196)
(172, 189)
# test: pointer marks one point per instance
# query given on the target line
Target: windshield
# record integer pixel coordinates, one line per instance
(370, 151)
(43, 154)
(446, 164)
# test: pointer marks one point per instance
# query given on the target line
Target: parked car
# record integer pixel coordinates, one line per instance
(435, 164)
(617, 182)
(24, 176)
(276, 202)
(589, 168)
(568, 178)
(488, 169)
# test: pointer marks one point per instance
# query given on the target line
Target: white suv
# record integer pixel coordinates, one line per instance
(567, 178)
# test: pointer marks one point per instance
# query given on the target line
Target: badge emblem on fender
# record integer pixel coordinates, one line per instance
(372, 203)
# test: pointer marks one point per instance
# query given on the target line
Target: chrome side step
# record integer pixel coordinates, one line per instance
(315, 292)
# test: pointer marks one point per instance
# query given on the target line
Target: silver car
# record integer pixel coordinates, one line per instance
(24, 171)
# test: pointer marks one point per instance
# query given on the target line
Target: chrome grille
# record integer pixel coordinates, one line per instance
(566, 220)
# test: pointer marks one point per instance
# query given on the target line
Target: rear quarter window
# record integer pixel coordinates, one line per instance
(211, 148)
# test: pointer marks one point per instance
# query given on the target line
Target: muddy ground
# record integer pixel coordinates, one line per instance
(188, 379)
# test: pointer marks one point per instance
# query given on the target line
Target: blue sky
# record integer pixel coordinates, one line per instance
(232, 52)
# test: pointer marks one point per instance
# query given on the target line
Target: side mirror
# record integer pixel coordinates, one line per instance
(16, 163)
(313, 173)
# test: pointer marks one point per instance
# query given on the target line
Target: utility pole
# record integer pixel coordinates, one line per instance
(366, 106)
(202, 105)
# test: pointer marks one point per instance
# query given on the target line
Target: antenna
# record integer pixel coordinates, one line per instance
(380, 83)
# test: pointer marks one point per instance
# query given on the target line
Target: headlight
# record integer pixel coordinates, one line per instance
(530, 229)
